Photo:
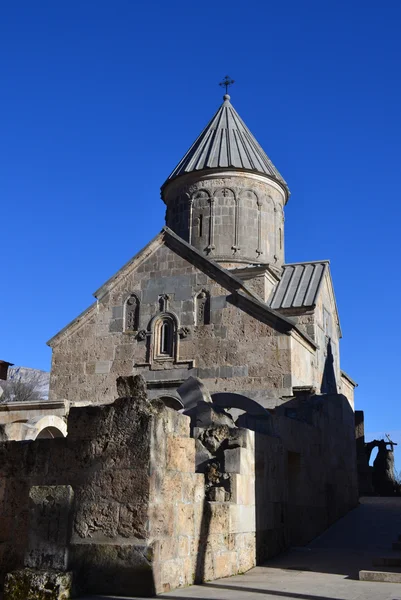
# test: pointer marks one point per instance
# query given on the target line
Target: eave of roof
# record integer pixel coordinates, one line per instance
(348, 378)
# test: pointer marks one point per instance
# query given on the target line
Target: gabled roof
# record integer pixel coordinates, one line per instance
(226, 142)
(232, 283)
(299, 285)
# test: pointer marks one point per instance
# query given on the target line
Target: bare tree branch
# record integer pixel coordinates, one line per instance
(25, 385)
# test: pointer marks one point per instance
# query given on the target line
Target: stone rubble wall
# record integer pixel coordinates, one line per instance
(140, 522)
(197, 539)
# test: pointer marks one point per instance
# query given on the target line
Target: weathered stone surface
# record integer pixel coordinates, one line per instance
(132, 387)
(193, 391)
(113, 569)
(33, 584)
(206, 415)
(49, 526)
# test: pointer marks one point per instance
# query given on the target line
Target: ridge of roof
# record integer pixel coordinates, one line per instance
(226, 142)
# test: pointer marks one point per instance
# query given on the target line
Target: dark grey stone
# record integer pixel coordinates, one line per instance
(208, 373)
(117, 312)
(218, 302)
(116, 326)
(183, 293)
(192, 392)
(240, 371)
(150, 296)
(49, 526)
(226, 372)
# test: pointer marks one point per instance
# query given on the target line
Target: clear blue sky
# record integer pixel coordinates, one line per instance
(100, 99)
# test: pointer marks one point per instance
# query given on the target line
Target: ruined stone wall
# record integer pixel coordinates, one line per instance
(140, 520)
(106, 459)
(234, 352)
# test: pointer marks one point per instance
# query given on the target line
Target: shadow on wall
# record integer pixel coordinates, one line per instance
(329, 383)
(306, 475)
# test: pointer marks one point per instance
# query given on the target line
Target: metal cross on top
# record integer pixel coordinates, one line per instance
(227, 81)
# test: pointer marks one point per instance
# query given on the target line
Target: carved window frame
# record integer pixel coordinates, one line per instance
(164, 337)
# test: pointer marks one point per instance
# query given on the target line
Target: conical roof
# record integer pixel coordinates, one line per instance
(226, 142)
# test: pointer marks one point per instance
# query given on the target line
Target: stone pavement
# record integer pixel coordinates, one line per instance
(325, 569)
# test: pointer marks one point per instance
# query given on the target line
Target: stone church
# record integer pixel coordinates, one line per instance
(211, 295)
(142, 497)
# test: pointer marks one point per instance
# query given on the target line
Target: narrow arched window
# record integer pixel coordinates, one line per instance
(131, 316)
(164, 337)
(202, 308)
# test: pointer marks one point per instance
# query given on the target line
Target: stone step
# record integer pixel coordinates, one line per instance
(393, 576)
(387, 561)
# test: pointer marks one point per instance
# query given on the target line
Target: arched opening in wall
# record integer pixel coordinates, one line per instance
(49, 433)
(202, 308)
(131, 313)
(200, 216)
(172, 402)
(164, 337)
(373, 455)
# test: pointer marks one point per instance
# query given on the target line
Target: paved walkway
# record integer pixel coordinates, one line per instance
(326, 569)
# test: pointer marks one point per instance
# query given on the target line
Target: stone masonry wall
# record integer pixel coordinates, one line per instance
(141, 523)
(234, 352)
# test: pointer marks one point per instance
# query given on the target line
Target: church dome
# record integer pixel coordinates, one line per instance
(226, 143)
(225, 197)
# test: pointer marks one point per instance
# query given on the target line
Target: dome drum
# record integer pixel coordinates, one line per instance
(230, 217)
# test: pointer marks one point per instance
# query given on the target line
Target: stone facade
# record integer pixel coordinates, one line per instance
(197, 299)
(235, 351)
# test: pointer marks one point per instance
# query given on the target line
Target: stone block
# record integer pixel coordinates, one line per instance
(102, 367)
(242, 518)
(96, 520)
(116, 326)
(171, 488)
(184, 545)
(49, 526)
(183, 293)
(113, 569)
(218, 515)
(217, 494)
(185, 519)
(33, 584)
(218, 302)
(161, 520)
(225, 564)
(242, 488)
(131, 521)
(239, 460)
(245, 544)
(174, 574)
(117, 312)
(180, 454)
